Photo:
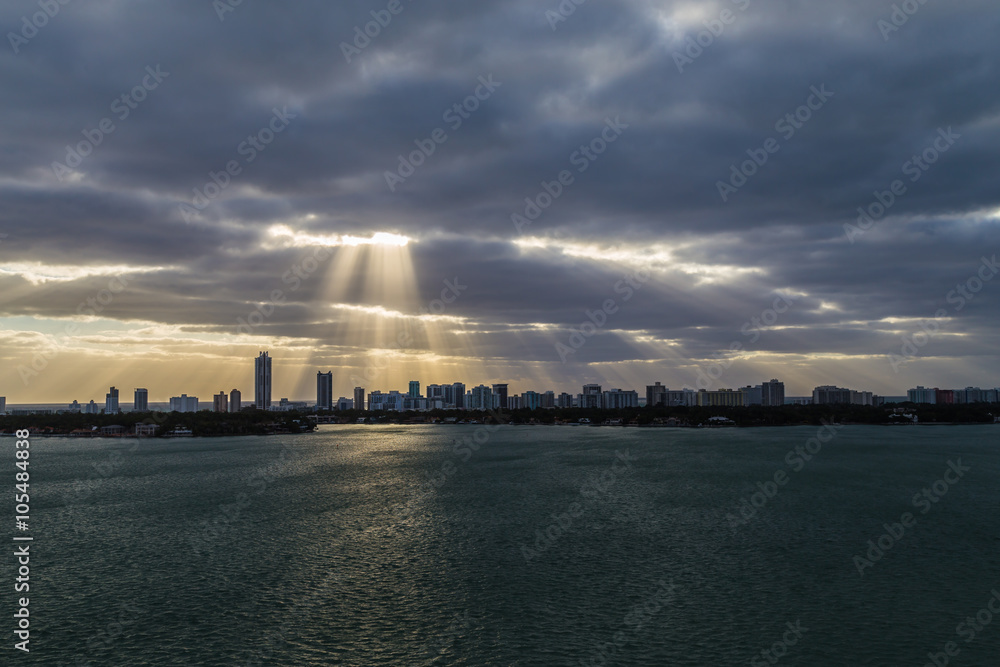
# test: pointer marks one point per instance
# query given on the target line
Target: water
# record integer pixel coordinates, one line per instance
(333, 555)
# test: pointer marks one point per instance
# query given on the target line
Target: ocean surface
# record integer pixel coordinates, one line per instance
(514, 545)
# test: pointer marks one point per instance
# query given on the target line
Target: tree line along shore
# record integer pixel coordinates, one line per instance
(256, 422)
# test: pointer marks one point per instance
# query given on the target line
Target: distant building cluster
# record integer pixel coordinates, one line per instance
(456, 396)
(953, 396)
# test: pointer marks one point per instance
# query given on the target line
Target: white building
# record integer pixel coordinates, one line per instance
(615, 399)
(922, 395)
(184, 403)
(111, 402)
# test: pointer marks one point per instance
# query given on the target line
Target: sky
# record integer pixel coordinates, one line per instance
(704, 194)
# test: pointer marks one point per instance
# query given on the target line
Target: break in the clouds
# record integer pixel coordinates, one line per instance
(185, 183)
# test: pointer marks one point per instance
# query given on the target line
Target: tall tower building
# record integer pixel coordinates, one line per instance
(324, 390)
(359, 398)
(773, 393)
(220, 403)
(235, 400)
(656, 395)
(458, 393)
(500, 396)
(141, 401)
(414, 389)
(111, 402)
(262, 381)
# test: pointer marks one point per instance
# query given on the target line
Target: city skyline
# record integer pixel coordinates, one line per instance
(497, 395)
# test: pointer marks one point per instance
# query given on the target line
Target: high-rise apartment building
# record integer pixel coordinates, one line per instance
(235, 400)
(656, 395)
(922, 395)
(111, 402)
(481, 398)
(324, 391)
(828, 394)
(720, 398)
(359, 398)
(140, 403)
(591, 397)
(414, 391)
(458, 395)
(753, 395)
(220, 402)
(184, 403)
(500, 396)
(262, 382)
(773, 393)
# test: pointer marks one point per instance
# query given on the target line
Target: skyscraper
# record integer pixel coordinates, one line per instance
(220, 403)
(359, 398)
(656, 395)
(414, 389)
(773, 393)
(111, 402)
(500, 396)
(262, 381)
(184, 403)
(235, 400)
(324, 390)
(482, 398)
(141, 401)
(458, 394)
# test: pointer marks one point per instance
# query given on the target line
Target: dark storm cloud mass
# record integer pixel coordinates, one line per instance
(655, 189)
